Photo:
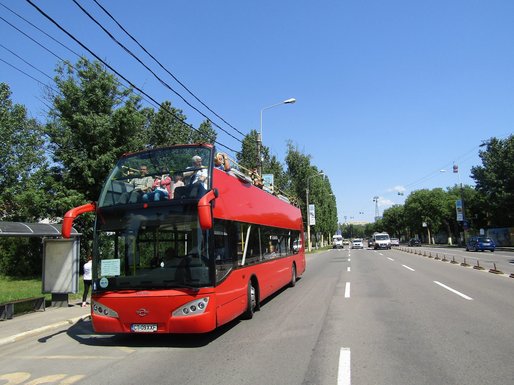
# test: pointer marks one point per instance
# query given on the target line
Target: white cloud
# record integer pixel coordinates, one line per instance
(384, 202)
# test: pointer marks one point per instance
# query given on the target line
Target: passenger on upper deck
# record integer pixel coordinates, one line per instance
(161, 189)
(256, 178)
(221, 162)
(198, 177)
(177, 182)
(141, 185)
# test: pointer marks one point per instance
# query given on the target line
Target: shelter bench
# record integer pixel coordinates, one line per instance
(30, 304)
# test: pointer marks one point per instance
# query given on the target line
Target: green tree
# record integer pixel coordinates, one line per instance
(21, 157)
(166, 126)
(393, 220)
(495, 181)
(427, 207)
(93, 122)
(26, 186)
(204, 134)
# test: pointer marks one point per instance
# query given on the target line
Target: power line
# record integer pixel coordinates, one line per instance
(41, 45)
(40, 30)
(114, 70)
(26, 62)
(156, 105)
(26, 74)
(162, 66)
(150, 70)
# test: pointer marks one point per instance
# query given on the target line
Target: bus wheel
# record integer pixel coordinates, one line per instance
(293, 276)
(252, 301)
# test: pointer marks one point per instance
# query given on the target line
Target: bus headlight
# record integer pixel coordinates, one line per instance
(100, 309)
(197, 306)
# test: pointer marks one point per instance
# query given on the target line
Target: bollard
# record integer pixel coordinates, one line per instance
(495, 270)
(437, 256)
(430, 254)
(444, 258)
(453, 260)
(464, 263)
(477, 266)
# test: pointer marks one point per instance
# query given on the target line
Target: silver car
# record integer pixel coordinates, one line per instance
(357, 244)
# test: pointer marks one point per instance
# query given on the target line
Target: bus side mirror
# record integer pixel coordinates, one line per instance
(205, 209)
(70, 216)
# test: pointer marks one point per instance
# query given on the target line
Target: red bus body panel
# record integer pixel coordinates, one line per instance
(155, 307)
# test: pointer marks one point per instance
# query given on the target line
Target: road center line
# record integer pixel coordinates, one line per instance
(344, 373)
(391, 259)
(454, 291)
(407, 267)
(348, 269)
(347, 290)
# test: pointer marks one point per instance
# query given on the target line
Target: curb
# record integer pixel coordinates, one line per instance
(19, 336)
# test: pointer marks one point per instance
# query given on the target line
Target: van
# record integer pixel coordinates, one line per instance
(381, 241)
(337, 241)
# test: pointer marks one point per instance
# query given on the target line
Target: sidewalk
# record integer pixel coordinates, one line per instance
(31, 324)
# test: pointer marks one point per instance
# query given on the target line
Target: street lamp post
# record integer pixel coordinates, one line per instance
(259, 136)
(308, 210)
(456, 171)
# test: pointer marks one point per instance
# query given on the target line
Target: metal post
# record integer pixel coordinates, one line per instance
(308, 210)
(259, 137)
(308, 218)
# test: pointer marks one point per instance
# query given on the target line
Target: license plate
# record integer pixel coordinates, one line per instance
(144, 328)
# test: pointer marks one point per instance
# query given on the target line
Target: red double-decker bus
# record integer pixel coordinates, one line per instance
(193, 258)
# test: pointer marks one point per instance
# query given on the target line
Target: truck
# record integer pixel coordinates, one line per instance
(381, 241)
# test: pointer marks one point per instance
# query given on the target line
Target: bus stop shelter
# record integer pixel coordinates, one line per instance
(60, 256)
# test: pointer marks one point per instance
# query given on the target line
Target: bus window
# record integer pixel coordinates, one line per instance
(149, 255)
(225, 248)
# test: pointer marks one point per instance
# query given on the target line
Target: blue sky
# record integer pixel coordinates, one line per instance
(388, 92)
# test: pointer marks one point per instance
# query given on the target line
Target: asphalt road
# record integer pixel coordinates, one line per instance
(359, 316)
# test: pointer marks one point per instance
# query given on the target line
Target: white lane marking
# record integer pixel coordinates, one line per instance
(454, 291)
(344, 373)
(380, 254)
(407, 267)
(347, 290)
(348, 269)
(349, 260)
(391, 259)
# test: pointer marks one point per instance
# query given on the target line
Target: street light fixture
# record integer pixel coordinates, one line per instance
(259, 137)
(308, 210)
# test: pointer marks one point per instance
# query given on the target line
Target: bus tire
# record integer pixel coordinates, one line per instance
(293, 276)
(251, 301)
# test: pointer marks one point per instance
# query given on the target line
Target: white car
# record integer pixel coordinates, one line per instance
(357, 244)
(395, 242)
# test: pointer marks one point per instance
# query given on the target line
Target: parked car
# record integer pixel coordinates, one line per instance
(395, 242)
(414, 242)
(480, 243)
(357, 244)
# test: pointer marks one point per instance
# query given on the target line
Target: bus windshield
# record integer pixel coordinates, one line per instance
(138, 249)
(158, 175)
